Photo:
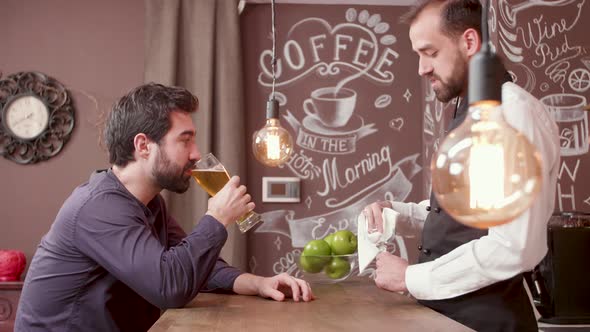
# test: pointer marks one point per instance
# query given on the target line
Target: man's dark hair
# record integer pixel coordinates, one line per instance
(145, 109)
(456, 15)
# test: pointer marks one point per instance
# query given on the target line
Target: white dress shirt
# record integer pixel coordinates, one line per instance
(508, 249)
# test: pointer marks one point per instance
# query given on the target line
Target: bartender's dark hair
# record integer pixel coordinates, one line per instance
(456, 15)
(145, 109)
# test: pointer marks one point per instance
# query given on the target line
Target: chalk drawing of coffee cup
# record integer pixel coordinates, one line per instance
(571, 118)
(333, 108)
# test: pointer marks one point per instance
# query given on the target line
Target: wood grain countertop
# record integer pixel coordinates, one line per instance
(349, 306)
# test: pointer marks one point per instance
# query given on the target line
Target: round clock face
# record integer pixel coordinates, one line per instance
(26, 117)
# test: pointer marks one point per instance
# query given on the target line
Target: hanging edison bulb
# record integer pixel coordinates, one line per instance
(485, 172)
(272, 145)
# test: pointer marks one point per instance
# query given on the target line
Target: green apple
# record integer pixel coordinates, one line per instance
(313, 264)
(329, 239)
(344, 242)
(315, 256)
(317, 248)
(338, 267)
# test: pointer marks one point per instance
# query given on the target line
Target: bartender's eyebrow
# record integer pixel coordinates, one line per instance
(424, 48)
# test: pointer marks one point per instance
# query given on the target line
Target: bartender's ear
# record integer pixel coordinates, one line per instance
(142, 146)
(470, 42)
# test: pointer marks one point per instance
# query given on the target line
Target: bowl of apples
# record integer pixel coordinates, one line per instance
(329, 260)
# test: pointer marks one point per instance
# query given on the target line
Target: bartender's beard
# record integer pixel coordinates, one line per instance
(453, 87)
(171, 176)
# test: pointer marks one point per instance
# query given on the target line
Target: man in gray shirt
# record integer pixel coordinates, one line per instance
(114, 257)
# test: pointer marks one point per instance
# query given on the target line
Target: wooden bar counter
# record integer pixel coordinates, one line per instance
(350, 306)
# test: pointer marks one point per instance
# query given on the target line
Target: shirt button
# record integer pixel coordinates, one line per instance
(420, 247)
(437, 210)
(428, 208)
(426, 252)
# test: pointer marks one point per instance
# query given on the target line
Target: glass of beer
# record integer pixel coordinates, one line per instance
(212, 176)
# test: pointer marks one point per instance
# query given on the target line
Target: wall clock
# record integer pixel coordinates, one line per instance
(37, 117)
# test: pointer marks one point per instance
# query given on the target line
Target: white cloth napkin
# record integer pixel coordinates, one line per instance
(369, 245)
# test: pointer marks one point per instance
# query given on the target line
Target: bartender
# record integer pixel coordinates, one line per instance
(471, 275)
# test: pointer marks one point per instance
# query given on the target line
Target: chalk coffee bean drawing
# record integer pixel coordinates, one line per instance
(381, 27)
(383, 101)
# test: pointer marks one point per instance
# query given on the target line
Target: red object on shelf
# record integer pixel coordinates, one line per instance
(12, 265)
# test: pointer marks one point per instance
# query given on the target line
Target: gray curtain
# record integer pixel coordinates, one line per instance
(196, 44)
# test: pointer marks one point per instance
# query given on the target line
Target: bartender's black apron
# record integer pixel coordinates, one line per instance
(503, 306)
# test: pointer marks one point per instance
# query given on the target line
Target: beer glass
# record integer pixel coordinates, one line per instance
(212, 176)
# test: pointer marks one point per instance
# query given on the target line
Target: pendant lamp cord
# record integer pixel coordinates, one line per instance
(484, 25)
(274, 54)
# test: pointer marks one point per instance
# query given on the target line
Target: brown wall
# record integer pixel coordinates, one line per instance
(548, 47)
(374, 156)
(95, 49)
(549, 58)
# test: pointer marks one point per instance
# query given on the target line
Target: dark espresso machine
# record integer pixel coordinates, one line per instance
(560, 284)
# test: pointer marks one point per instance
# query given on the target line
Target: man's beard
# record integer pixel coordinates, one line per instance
(170, 176)
(454, 87)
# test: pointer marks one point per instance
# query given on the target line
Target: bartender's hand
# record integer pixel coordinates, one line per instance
(277, 287)
(373, 215)
(391, 272)
(409, 222)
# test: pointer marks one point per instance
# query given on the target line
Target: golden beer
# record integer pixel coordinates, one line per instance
(212, 177)
(212, 180)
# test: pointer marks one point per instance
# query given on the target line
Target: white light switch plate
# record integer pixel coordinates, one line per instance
(280, 189)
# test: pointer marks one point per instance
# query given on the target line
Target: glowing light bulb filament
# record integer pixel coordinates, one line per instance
(273, 147)
(486, 175)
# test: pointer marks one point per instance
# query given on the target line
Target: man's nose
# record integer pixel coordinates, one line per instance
(424, 67)
(195, 153)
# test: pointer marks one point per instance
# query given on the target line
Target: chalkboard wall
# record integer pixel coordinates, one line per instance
(366, 125)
